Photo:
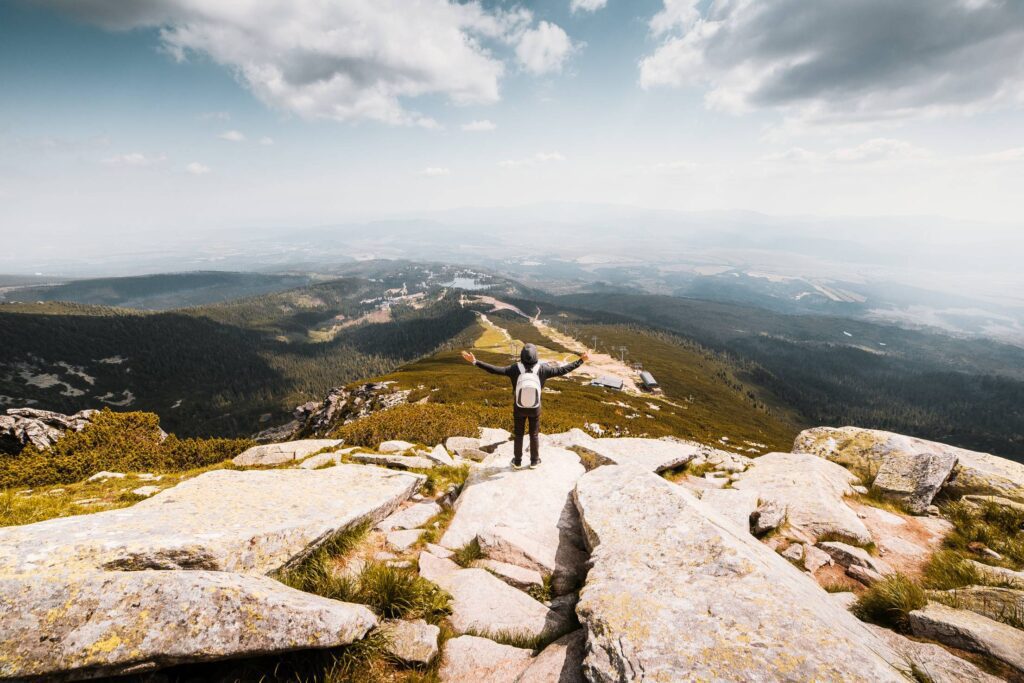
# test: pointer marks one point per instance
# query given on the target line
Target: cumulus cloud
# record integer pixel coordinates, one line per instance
(842, 61)
(587, 5)
(538, 158)
(134, 159)
(346, 59)
(232, 136)
(196, 168)
(266, 141)
(544, 49)
(435, 171)
(484, 126)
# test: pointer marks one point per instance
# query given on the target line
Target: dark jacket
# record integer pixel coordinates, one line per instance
(529, 359)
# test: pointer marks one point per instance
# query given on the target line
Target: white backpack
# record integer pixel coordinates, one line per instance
(528, 387)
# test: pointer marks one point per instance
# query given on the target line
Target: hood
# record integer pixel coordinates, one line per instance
(528, 355)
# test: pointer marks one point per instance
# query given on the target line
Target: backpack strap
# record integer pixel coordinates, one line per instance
(522, 368)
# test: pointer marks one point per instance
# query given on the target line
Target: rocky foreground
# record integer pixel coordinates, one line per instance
(591, 568)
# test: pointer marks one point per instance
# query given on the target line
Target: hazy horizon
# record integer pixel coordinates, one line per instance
(122, 125)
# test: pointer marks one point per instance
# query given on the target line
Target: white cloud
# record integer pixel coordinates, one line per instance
(587, 5)
(841, 62)
(484, 126)
(346, 59)
(232, 136)
(266, 141)
(874, 151)
(134, 159)
(544, 49)
(435, 171)
(1006, 156)
(196, 168)
(538, 158)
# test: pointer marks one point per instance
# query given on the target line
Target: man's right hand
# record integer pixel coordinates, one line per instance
(470, 358)
(585, 356)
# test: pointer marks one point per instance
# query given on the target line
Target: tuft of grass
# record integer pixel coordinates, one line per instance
(467, 554)
(435, 527)
(995, 526)
(315, 573)
(836, 587)
(543, 592)
(513, 637)
(875, 498)
(889, 601)
(401, 593)
(947, 569)
(442, 477)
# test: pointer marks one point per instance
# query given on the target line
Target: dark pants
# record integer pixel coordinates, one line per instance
(520, 429)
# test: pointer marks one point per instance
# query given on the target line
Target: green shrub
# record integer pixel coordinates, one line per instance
(889, 601)
(427, 423)
(122, 442)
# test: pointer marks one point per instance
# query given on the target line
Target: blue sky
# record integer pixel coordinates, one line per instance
(168, 115)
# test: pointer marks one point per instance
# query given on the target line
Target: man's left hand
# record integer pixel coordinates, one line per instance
(585, 356)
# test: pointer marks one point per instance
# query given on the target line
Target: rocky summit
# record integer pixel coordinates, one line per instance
(618, 559)
(675, 593)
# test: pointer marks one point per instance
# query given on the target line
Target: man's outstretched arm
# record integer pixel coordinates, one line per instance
(559, 370)
(493, 369)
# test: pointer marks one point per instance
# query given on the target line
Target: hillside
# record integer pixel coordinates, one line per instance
(836, 371)
(218, 370)
(702, 400)
(159, 292)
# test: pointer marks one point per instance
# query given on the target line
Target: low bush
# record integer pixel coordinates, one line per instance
(889, 601)
(122, 442)
(427, 423)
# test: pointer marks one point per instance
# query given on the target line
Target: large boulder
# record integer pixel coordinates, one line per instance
(869, 449)
(969, 631)
(913, 478)
(657, 455)
(22, 427)
(675, 593)
(250, 521)
(411, 517)
(484, 604)
(523, 517)
(94, 624)
(1001, 604)
(278, 453)
(939, 665)
(999, 575)
(471, 659)
(811, 490)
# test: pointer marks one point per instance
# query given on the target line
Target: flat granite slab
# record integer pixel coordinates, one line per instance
(252, 521)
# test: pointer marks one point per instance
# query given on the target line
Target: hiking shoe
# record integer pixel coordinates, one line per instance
(517, 464)
(534, 464)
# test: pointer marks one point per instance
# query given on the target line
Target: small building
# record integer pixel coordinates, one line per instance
(648, 381)
(608, 382)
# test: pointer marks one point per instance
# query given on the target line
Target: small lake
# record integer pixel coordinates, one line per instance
(465, 283)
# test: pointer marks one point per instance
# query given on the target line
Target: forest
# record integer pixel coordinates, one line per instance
(837, 371)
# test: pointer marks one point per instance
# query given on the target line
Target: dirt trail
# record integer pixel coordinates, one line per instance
(600, 365)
